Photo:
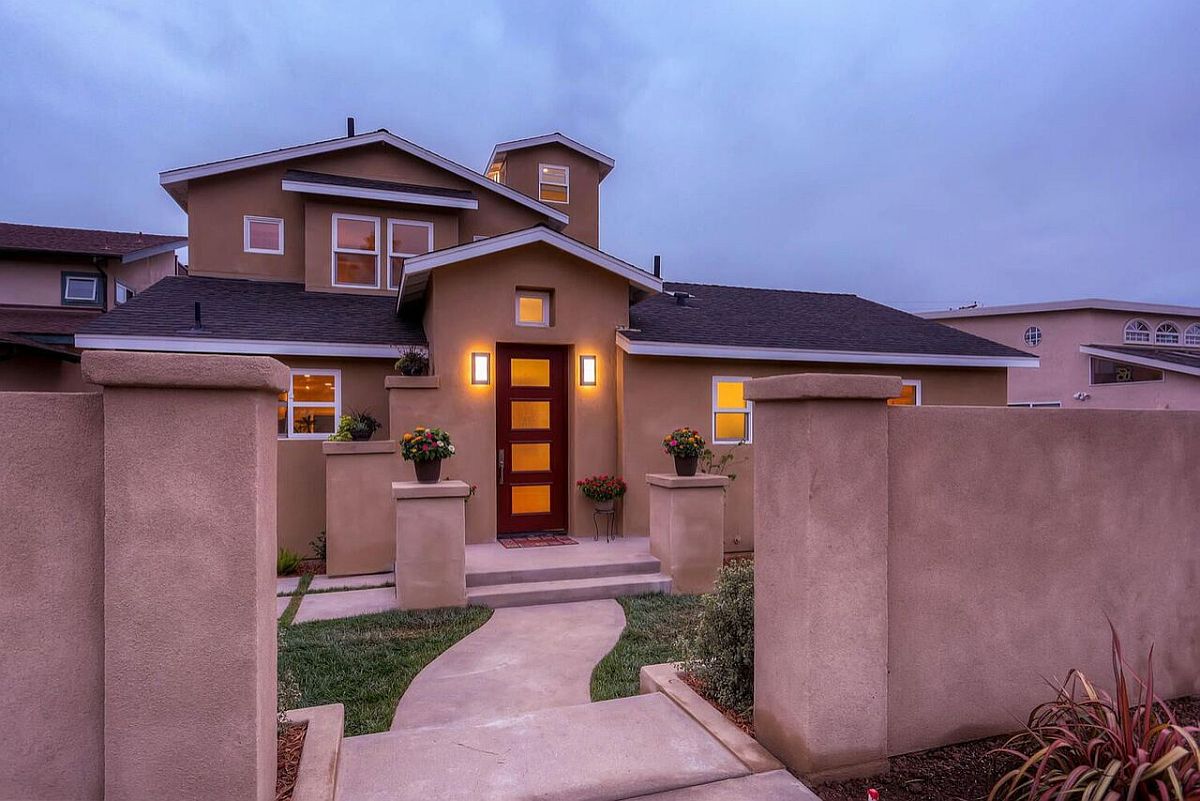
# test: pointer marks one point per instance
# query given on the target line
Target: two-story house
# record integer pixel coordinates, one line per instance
(53, 281)
(550, 359)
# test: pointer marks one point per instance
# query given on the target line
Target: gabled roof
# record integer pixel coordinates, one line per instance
(606, 162)
(1101, 304)
(242, 316)
(785, 325)
(1172, 359)
(416, 268)
(44, 319)
(175, 181)
(322, 183)
(86, 241)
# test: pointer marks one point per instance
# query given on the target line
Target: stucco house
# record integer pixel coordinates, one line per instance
(1095, 353)
(55, 280)
(551, 360)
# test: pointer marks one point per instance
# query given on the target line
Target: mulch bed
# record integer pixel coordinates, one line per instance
(536, 541)
(314, 567)
(741, 721)
(959, 772)
(291, 743)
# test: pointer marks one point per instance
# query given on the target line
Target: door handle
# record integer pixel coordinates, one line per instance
(500, 465)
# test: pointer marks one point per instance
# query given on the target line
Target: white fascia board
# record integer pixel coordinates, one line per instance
(146, 253)
(238, 346)
(1141, 361)
(1100, 304)
(391, 196)
(686, 349)
(331, 145)
(496, 244)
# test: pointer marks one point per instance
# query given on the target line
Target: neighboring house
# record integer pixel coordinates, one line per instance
(1094, 353)
(551, 359)
(53, 281)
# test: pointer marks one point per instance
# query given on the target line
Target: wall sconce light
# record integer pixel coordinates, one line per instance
(481, 368)
(587, 371)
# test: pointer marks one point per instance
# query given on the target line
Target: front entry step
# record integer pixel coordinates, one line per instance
(621, 564)
(528, 593)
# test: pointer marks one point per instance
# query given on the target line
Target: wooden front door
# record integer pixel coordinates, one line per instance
(531, 439)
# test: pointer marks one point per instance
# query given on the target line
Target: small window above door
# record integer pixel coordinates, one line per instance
(533, 308)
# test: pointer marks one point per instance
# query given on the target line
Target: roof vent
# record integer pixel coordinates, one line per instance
(349, 126)
(681, 298)
(657, 266)
(197, 326)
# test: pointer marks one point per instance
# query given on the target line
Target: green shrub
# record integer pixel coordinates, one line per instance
(318, 546)
(286, 562)
(413, 361)
(719, 647)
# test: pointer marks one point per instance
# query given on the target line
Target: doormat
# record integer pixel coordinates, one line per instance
(536, 541)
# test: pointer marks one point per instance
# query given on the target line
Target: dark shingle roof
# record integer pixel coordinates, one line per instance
(370, 183)
(239, 309)
(14, 236)
(42, 320)
(1182, 358)
(776, 318)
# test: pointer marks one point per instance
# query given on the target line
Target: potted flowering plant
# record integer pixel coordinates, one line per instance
(426, 448)
(686, 445)
(602, 490)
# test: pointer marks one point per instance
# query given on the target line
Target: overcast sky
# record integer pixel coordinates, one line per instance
(924, 155)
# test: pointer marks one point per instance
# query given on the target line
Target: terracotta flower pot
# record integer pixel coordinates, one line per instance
(686, 465)
(428, 472)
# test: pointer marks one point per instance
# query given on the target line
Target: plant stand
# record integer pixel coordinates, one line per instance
(609, 516)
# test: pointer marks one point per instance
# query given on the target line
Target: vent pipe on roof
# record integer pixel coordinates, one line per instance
(681, 298)
(657, 266)
(197, 326)
(349, 126)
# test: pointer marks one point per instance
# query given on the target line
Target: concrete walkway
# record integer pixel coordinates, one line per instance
(523, 659)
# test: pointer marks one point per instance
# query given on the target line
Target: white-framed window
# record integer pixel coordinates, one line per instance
(262, 235)
(1166, 334)
(1192, 335)
(732, 414)
(554, 183)
(355, 251)
(910, 394)
(1036, 405)
(406, 238)
(1033, 336)
(82, 289)
(532, 308)
(313, 406)
(1137, 332)
(122, 293)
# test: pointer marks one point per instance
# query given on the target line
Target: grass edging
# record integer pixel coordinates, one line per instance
(651, 636)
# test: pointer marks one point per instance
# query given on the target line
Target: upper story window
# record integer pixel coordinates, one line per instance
(313, 406)
(406, 238)
(262, 235)
(1192, 335)
(732, 413)
(910, 395)
(533, 308)
(355, 251)
(1105, 371)
(1166, 334)
(1033, 336)
(554, 183)
(1136, 331)
(122, 293)
(82, 289)
(496, 172)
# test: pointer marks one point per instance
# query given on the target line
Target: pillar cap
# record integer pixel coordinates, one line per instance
(672, 481)
(351, 448)
(117, 368)
(823, 386)
(408, 490)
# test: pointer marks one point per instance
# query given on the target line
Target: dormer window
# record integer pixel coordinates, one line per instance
(1167, 334)
(554, 183)
(496, 172)
(82, 289)
(1137, 332)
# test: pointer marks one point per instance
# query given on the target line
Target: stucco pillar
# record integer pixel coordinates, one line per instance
(431, 544)
(360, 521)
(189, 574)
(687, 528)
(820, 570)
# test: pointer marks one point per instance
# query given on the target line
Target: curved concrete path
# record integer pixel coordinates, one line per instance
(523, 659)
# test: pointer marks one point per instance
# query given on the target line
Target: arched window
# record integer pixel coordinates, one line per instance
(1137, 331)
(1192, 335)
(1166, 334)
(1033, 336)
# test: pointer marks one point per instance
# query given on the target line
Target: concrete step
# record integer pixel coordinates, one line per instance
(778, 785)
(606, 751)
(633, 564)
(529, 593)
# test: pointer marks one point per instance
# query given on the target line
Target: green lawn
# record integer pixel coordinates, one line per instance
(653, 624)
(367, 662)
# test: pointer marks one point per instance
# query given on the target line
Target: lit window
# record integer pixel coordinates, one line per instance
(1033, 336)
(1166, 334)
(355, 251)
(262, 235)
(910, 395)
(496, 172)
(123, 293)
(731, 411)
(1105, 371)
(82, 289)
(533, 308)
(406, 238)
(1137, 331)
(1192, 335)
(554, 183)
(312, 408)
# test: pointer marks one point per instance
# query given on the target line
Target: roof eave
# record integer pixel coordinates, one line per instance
(259, 347)
(1141, 361)
(606, 162)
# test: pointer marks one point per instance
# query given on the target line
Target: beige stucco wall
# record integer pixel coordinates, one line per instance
(360, 522)
(521, 173)
(27, 372)
(660, 394)
(36, 280)
(52, 657)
